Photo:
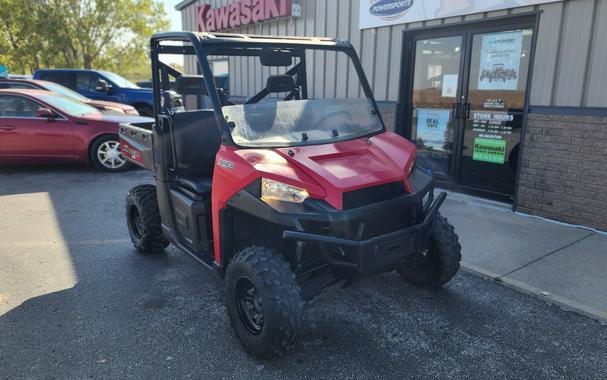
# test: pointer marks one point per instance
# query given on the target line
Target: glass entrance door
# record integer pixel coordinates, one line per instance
(493, 109)
(466, 104)
(436, 89)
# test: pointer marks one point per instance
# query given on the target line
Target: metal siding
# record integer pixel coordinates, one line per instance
(309, 16)
(546, 54)
(368, 54)
(396, 47)
(566, 61)
(596, 94)
(382, 64)
(343, 64)
(355, 33)
(319, 57)
(527, 9)
(569, 77)
(331, 57)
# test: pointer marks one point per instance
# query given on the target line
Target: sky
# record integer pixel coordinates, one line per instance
(175, 16)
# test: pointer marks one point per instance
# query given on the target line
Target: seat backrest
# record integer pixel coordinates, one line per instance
(197, 140)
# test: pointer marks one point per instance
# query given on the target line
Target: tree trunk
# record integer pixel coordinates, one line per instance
(87, 61)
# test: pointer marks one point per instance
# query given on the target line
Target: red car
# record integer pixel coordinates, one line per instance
(42, 126)
(101, 105)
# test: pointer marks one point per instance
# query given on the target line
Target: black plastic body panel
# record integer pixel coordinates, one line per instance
(192, 218)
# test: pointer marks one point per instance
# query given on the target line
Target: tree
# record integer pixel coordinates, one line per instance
(100, 34)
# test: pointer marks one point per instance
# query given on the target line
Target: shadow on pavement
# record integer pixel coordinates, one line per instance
(129, 315)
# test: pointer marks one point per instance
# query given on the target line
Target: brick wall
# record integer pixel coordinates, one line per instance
(388, 114)
(563, 172)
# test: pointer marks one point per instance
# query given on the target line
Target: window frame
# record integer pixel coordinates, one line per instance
(42, 105)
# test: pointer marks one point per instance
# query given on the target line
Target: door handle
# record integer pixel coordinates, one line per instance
(466, 110)
(457, 110)
(7, 127)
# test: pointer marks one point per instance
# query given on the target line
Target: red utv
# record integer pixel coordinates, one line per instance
(285, 191)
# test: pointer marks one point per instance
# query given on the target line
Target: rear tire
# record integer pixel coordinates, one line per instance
(264, 302)
(143, 220)
(441, 261)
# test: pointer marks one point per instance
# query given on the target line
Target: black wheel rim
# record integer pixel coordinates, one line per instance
(424, 265)
(136, 223)
(249, 304)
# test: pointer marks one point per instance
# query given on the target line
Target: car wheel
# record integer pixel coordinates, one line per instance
(263, 302)
(143, 220)
(106, 155)
(439, 263)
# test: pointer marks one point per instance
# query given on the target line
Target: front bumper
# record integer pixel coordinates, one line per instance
(376, 253)
(370, 238)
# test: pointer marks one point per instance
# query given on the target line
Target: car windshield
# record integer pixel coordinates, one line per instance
(59, 89)
(119, 81)
(281, 95)
(68, 105)
(301, 122)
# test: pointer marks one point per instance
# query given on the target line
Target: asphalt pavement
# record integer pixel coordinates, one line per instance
(76, 301)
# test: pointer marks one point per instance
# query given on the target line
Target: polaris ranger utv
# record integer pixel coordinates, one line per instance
(286, 190)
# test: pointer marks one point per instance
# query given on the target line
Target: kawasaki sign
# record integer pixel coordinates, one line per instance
(242, 13)
(376, 13)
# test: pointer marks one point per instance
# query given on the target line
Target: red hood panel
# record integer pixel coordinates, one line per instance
(355, 164)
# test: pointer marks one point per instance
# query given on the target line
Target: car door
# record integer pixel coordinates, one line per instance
(64, 78)
(25, 136)
(86, 84)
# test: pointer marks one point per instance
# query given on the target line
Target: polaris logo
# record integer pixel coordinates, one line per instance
(390, 9)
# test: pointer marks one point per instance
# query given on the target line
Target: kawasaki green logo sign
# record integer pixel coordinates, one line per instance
(489, 150)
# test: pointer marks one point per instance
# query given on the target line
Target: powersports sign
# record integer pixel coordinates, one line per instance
(242, 13)
(376, 13)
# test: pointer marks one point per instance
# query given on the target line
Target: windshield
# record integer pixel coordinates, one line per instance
(68, 105)
(59, 89)
(301, 122)
(281, 95)
(119, 81)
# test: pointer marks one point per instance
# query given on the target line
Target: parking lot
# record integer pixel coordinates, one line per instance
(76, 301)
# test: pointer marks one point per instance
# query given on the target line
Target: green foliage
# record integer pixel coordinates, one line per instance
(101, 34)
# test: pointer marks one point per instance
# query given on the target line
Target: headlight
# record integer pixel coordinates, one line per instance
(274, 190)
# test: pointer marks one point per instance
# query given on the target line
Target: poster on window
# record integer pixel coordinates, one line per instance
(500, 61)
(432, 128)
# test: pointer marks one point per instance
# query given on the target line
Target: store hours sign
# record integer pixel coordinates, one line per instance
(376, 13)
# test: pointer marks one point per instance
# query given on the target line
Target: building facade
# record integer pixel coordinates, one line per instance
(506, 99)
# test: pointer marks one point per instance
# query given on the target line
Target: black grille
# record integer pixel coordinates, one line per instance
(369, 195)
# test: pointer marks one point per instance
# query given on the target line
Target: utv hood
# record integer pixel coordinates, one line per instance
(355, 164)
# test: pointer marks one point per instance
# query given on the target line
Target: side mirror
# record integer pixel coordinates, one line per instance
(46, 113)
(102, 86)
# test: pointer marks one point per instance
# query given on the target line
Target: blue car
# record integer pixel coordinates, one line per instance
(104, 85)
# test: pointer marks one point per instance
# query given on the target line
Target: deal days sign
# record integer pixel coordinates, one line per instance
(242, 13)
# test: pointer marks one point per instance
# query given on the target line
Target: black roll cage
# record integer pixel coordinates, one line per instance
(237, 45)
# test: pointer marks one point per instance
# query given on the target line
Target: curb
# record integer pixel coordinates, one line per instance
(564, 303)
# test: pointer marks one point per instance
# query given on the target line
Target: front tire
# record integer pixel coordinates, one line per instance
(264, 302)
(105, 154)
(440, 263)
(143, 220)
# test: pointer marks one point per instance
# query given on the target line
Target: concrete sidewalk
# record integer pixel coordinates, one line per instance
(564, 264)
